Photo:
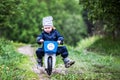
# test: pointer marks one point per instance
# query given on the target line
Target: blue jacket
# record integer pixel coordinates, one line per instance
(54, 35)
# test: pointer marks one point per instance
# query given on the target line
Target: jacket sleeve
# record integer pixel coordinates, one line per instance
(39, 37)
(61, 38)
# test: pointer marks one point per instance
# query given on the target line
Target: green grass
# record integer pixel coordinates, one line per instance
(13, 64)
(18, 44)
(97, 58)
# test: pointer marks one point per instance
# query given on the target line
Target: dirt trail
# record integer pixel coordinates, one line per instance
(29, 51)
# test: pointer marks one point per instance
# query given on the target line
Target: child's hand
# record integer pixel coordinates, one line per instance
(59, 41)
(41, 40)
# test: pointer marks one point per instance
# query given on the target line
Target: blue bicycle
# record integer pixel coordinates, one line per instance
(50, 49)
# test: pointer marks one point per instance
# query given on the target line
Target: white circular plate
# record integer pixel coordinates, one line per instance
(50, 46)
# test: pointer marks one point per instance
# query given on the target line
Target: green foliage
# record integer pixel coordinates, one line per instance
(10, 62)
(8, 10)
(85, 43)
(26, 21)
(68, 20)
(103, 10)
(106, 46)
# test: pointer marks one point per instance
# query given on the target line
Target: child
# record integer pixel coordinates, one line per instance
(51, 34)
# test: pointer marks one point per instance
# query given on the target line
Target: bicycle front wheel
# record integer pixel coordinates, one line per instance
(49, 70)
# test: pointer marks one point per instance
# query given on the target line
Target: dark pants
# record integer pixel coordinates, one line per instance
(61, 50)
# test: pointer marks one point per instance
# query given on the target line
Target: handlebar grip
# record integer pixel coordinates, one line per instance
(39, 43)
(61, 42)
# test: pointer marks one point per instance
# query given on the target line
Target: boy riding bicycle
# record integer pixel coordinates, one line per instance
(51, 34)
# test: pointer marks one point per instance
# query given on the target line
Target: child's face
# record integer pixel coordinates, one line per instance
(48, 29)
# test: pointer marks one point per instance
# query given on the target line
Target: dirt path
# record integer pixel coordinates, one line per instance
(29, 51)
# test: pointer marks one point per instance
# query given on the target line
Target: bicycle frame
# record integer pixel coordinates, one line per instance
(50, 48)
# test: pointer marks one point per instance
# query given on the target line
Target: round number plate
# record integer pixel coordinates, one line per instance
(50, 46)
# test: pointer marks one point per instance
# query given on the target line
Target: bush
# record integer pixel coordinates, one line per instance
(26, 25)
